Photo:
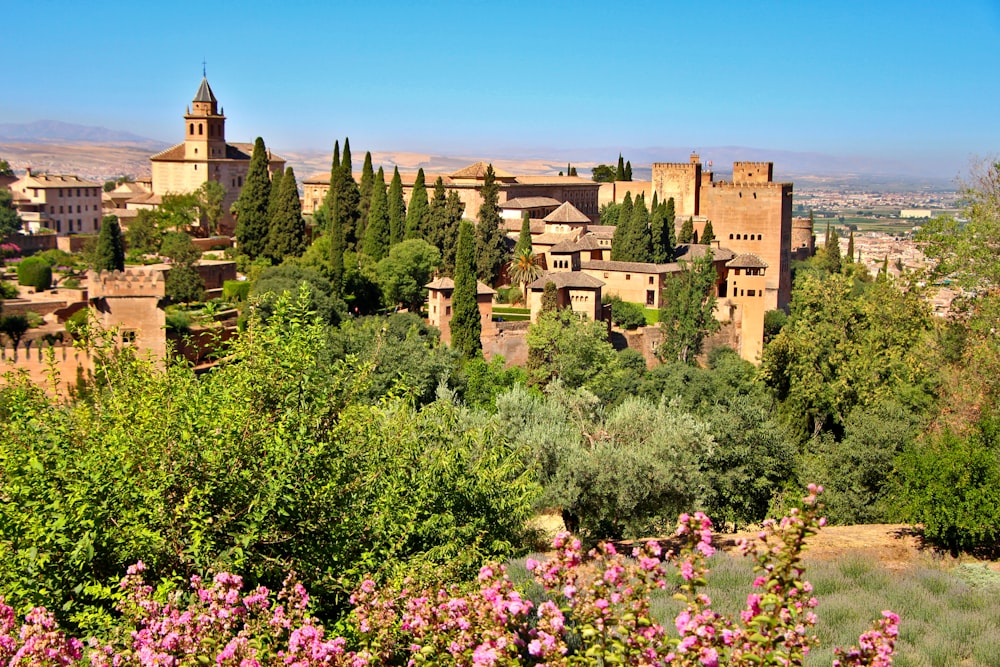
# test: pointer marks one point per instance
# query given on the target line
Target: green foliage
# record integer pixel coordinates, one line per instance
(550, 297)
(14, 327)
(397, 208)
(109, 255)
(708, 234)
(267, 464)
(485, 381)
(602, 173)
(34, 272)
(952, 486)
(210, 196)
(491, 242)
(376, 243)
(661, 229)
(144, 234)
(287, 233)
(179, 247)
(524, 237)
(403, 274)
(524, 269)
(610, 214)
(252, 205)
(10, 222)
(184, 284)
(417, 212)
(236, 290)
(620, 171)
(288, 280)
(627, 315)
(830, 259)
(632, 241)
(687, 232)
(365, 188)
(686, 310)
(774, 322)
(563, 344)
(178, 321)
(466, 326)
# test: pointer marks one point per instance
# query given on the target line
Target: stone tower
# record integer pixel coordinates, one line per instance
(204, 126)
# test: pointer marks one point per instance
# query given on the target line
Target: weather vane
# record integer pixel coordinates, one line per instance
(203, 68)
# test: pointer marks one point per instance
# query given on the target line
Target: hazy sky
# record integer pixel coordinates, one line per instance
(912, 80)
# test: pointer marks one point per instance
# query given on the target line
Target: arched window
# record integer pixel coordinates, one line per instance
(191, 129)
(730, 237)
(200, 128)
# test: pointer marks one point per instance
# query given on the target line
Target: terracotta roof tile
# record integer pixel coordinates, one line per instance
(569, 279)
(478, 172)
(529, 202)
(567, 213)
(747, 261)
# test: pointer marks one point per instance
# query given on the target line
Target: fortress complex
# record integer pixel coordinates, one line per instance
(205, 155)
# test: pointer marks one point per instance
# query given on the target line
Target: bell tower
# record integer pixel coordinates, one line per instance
(204, 126)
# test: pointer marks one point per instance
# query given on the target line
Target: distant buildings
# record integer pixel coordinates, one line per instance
(64, 204)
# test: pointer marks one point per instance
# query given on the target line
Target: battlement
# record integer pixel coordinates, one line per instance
(753, 172)
(754, 185)
(675, 166)
(802, 223)
(132, 282)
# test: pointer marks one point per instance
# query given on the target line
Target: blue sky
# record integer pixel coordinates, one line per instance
(913, 81)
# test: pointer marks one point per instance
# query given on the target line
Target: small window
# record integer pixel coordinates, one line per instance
(651, 280)
(447, 310)
(200, 129)
(628, 276)
(191, 129)
(751, 292)
(736, 272)
(730, 237)
(743, 292)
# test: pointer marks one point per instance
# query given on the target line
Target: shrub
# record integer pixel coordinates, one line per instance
(14, 327)
(76, 324)
(178, 321)
(35, 272)
(236, 290)
(627, 315)
(8, 290)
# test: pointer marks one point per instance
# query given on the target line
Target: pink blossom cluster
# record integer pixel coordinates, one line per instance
(9, 250)
(596, 611)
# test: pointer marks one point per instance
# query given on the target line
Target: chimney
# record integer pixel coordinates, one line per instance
(29, 171)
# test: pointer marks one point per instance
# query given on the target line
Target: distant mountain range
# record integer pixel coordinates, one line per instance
(54, 131)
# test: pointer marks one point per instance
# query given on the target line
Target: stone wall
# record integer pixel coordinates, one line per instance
(36, 363)
(680, 181)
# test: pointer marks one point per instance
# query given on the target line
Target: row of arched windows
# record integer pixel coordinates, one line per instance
(746, 237)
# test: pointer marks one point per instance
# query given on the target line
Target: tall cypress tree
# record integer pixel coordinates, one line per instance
(287, 237)
(417, 211)
(670, 216)
(365, 189)
(639, 228)
(687, 231)
(333, 192)
(109, 255)
(620, 241)
(349, 198)
(708, 234)
(620, 171)
(337, 248)
(524, 238)
(628, 171)
(397, 209)
(275, 196)
(252, 204)
(466, 326)
(376, 242)
(453, 209)
(437, 216)
(625, 214)
(491, 244)
(657, 222)
(850, 249)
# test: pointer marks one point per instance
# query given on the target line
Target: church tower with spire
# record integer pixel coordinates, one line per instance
(204, 126)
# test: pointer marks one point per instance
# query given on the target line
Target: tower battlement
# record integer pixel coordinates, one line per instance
(132, 282)
(753, 172)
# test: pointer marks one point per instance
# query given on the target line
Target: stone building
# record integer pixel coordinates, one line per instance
(64, 204)
(206, 155)
(439, 293)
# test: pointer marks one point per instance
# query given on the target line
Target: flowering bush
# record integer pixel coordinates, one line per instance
(597, 612)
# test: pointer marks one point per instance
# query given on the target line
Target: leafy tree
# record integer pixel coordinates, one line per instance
(774, 322)
(627, 315)
(610, 214)
(686, 309)
(403, 274)
(287, 237)
(10, 222)
(288, 281)
(14, 327)
(830, 258)
(491, 242)
(417, 212)
(524, 238)
(109, 255)
(466, 326)
(550, 297)
(564, 344)
(252, 204)
(397, 209)
(603, 173)
(708, 234)
(210, 197)
(365, 188)
(177, 211)
(524, 269)
(687, 231)
(183, 283)
(144, 235)
(376, 243)
(5, 169)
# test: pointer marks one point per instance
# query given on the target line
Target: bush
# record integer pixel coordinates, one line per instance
(8, 290)
(76, 324)
(236, 290)
(627, 315)
(14, 327)
(178, 321)
(35, 272)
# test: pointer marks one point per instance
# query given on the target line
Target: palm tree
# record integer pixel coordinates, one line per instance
(523, 269)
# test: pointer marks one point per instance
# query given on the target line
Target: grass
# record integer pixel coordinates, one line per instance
(511, 310)
(946, 617)
(652, 316)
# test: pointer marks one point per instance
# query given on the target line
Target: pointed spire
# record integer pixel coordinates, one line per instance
(204, 93)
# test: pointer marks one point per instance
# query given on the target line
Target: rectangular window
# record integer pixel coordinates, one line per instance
(447, 310)
(650, 295)
(751, 292)
(651, 280)
(628, 276)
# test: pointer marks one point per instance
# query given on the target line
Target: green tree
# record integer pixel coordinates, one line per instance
(178, 211)
(454, 209)
(144, 234)
(274, 197)
(376, 243)
(850, 249)
(830, 258)
(14, 327)
(397, 209)
(365, 188)
(491, 242)
(466, 325)
(661, 229)
(287, 237)
(288, 281)
(602, 173)
(337, 248)
(10, 222)
(628, 171)
(632, 241)
(34, 272)
(686, 309)
(252, 204)
(109, 255)
(550, 297)
(524, 269)
(563, 344)
(210, 197)
(524, 238)
(437, 216)
(349, 200)
(687, 231)
(620, 171)
(610, 214)
(5, 169)
(404, 272)
(417, 211)
(708, 234)
(183, 283)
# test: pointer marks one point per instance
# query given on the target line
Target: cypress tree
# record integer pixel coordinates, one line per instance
(708, 235)
(639, 228)
(453, 209)
(437, 216)
(628, 171)
(524, 238)
(831, 252)
(397, 209)
(850, 248)
(657, 223)
(365, 189)
(625, 214)
(287, 236)
(550, 298)
(349, 200)
(466, 326)
(687, 231)
(109, 255)
(337, 248)
(620, 171)
(376, 242)
(275, 196)
(572, 172)
(417, 211)
(491, 244)
(336, 156)
(569, 169)
(620, 241)
(332, 193)
(252, 204)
